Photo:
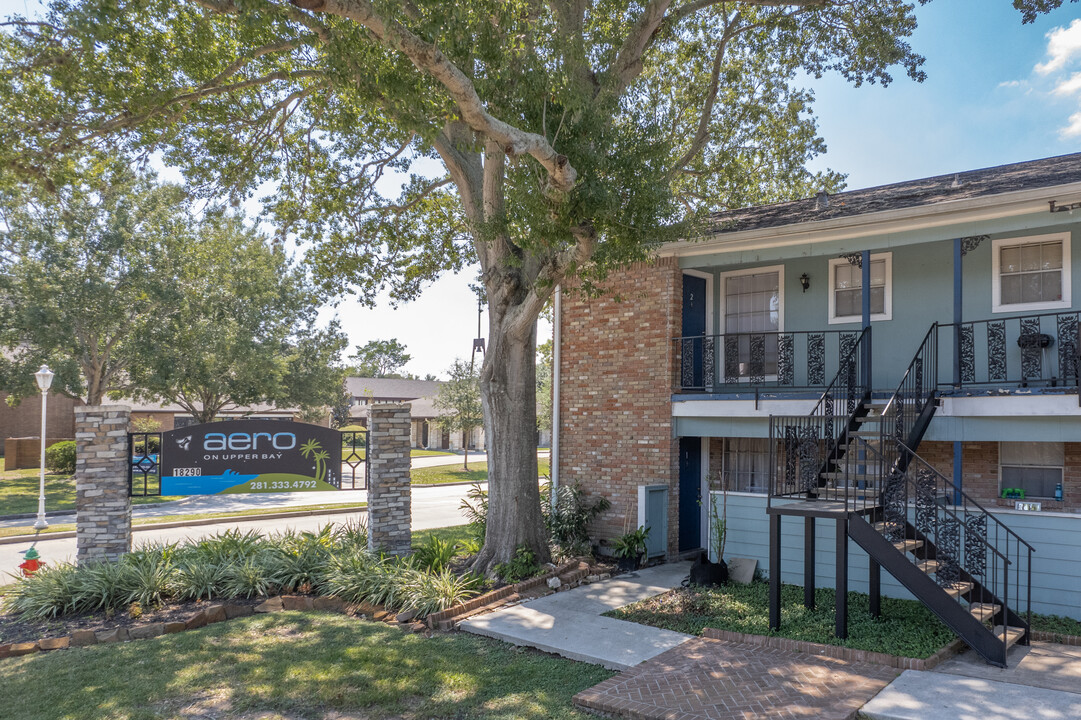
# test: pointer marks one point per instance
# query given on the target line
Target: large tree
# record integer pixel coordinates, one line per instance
(380, 358)
(546, 140)
(84, 271)
(243, 330)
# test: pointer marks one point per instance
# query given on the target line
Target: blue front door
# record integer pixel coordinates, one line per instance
(694, 326)
(690, 493)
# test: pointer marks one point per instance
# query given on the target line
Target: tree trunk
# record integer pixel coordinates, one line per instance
(509, 399)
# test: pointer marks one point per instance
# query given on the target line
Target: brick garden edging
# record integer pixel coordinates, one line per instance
(569, 573)
(838, 652)
(218, 612)
(1053, 637)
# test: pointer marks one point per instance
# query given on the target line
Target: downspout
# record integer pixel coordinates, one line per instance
(553, 453)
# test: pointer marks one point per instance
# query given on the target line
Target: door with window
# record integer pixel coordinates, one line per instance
(692, 369)
(753, 310)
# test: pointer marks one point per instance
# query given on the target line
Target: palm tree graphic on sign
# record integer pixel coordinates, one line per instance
(312, 449)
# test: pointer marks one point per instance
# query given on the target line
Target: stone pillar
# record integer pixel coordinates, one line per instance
(102, 504)
(389, 512)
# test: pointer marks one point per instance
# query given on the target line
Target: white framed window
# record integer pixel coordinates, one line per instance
(846, 289)
(752, 303)
(746, 464)
(1030, 273)
(1035, 467)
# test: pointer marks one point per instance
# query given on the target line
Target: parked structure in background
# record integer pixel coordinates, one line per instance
(424, 428)
(965, 349)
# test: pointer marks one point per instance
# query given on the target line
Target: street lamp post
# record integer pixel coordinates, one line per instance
(44, 378)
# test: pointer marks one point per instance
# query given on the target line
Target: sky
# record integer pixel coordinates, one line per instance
(997, 92)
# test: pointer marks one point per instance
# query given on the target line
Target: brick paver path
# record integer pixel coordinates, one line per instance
(717, 680)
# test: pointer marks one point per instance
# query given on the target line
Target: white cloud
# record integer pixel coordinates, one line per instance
(1063, 44)
(1074, 128)
(1068, 86)
(1010, 84)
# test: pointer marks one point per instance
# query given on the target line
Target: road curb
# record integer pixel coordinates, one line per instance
(15, 539)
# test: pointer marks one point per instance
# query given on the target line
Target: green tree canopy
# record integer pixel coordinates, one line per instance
(547, 141)
(380, 358)
(84, 272)
(243, 330)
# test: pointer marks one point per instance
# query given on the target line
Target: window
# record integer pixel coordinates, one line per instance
(1030, 273)
(846, 289)
(752, 306)
(1034, 467)
(746, 464)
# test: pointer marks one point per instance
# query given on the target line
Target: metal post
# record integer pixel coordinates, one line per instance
(865, 296)
(841, 602)
(775, 572)
(41, 523)
(957, 311)
(874, 583)
(809, 562)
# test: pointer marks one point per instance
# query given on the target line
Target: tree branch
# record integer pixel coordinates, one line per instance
(427, 57)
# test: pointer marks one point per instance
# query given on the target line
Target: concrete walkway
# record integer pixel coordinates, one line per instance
(570, 624)
(1043, 681)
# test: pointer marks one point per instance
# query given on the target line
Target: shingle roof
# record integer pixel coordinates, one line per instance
(1032, 174)
(391, 388)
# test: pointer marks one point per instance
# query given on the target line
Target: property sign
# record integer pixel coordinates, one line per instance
(250, 456)
(1027, 506)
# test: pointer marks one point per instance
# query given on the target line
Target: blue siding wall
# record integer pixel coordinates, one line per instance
(1056, 565)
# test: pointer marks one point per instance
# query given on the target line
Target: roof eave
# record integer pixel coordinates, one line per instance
(949, 212)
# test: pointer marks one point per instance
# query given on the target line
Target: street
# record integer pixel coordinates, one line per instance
(432, 507)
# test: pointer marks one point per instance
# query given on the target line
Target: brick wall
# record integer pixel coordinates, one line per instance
(615, 392)
(24, 420)
(980, 460)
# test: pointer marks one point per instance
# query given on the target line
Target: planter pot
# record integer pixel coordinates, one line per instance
(707, 573)
(628, 564)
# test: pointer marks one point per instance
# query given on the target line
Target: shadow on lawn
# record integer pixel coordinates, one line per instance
(299, 665)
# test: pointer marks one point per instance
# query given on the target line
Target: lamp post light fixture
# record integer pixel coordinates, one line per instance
(44, 378)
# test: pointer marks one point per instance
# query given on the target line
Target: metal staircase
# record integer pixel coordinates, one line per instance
(861, 469)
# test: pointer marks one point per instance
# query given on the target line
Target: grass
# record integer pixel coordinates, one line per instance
(477, 472)
(906, 627)
(453, 534)
(68, 527)
(19, 492)
(296, 665)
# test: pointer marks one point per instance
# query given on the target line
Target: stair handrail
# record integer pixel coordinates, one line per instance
(845, 364)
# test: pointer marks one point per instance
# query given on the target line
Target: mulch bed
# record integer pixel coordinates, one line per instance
(14, 629)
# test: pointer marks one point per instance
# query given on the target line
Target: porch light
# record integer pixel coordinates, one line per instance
(805, 282)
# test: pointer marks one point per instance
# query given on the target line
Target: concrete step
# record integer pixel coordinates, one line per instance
(958, 590)
(984, 611)
(1013, 634)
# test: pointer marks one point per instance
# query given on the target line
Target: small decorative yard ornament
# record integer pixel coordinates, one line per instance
(32, 562)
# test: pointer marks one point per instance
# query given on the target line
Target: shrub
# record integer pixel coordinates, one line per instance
(49, 593)
(99, 586)
(197, 578)
(147, 575)
(352, 535)
(253, 577)
(434, 591)
(568, 526)
(60, 457)
(435, 554)
(475, 509)
(523, 566)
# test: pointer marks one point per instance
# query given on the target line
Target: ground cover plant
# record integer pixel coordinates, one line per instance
(296, 665)
(334, 561)
(905, 628)
(1056, 624)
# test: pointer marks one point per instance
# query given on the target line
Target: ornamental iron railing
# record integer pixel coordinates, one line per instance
(736, 362)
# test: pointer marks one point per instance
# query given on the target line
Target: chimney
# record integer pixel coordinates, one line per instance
(822, 200)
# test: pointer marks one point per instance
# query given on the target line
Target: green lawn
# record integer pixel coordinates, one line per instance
(478, 472)
(19, 492)
(296, 665)
(70, 527)
(453, 534)
(905, 628)
(348, 454)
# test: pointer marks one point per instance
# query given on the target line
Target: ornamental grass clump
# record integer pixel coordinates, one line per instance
(50, 593)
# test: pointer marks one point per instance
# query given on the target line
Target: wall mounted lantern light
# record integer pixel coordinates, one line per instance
(805, 281)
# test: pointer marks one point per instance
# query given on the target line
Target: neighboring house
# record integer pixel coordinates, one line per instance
(171, 416)
(971, 359)
(425, 431)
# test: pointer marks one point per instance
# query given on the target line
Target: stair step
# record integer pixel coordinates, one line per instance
(865, 433)
(908, 545)
(928, 566)
(958, 590)
(1013, 634)
(852, 477)
(984, 611)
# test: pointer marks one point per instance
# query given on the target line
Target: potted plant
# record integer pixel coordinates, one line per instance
(630, 547)
(705, 571)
